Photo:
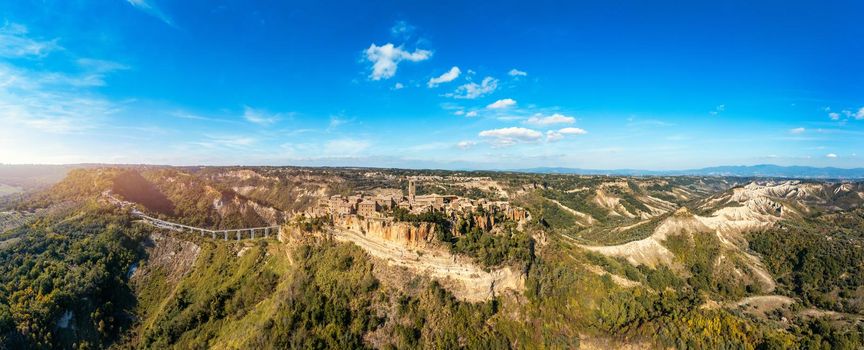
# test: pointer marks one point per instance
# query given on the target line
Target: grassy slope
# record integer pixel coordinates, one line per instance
(330, 298)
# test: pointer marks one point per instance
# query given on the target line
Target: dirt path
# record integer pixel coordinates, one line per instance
(465, 280)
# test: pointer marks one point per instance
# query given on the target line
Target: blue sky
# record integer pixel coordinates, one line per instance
(444, 84)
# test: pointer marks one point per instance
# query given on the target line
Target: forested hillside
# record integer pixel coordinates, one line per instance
(81, 272)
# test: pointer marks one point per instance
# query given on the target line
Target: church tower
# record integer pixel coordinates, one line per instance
(411, 191)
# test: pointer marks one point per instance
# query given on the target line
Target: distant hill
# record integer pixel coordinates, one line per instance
(762, 170)
(32, 176)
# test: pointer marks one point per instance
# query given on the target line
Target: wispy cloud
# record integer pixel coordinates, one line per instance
(540, 120)
(466, 144)
(516, 73)
(14, 43)
(473, 90)
(634, 122)
(447, 77)
(149, 8)
(797, 131)
(226, 141)
(345, 147)
(337, 121)
(402, 30)
(192, 116)
(260, 117)
(385, 59)
(51, 102)
(845, 115)
(717, 110)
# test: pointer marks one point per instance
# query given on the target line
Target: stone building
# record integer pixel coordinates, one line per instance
(412, 191)
(454, 206)
(367, 208)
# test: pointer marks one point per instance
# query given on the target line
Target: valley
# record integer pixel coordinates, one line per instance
(404, 259)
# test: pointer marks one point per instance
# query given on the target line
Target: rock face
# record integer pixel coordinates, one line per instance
(405, 233)
(173, 256)
(457, 274)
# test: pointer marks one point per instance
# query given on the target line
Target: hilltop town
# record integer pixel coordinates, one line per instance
(383, 206)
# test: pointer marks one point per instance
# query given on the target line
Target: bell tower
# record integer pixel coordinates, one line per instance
(411, 191)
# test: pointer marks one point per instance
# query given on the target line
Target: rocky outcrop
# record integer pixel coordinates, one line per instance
(405, 233)
(168, 254)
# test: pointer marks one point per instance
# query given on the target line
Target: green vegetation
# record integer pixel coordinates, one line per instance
(509, 246)
(329, 298)
(73, 269)
(820, 259)
(223, 289)
(597, 307)
(443, 225)
(64, 273)
(506, 246)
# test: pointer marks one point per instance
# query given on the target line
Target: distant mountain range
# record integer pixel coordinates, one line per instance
(762, 170)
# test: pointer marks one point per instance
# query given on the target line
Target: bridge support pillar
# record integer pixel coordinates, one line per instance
(226, 235)
(238, 234)
(266, 232)
(252, 233)
(213, 234)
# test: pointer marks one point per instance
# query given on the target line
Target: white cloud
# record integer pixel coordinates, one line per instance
(557, 135)
(471, 114)
(831, 155)
(516, 73)
(345, 147)
(466, 144)
(572, 131)
(501, 104)
(15, 43)
(147, 7)
(398, 86)
(231, 141)
(50, 102)
(259, 117)
(386, 58)
(556, 118)
(860, 114)
(797, 131)
(552, 136)
(447, 77)
(511, 136)
(834, 116)
(459, 112)
(473, 90)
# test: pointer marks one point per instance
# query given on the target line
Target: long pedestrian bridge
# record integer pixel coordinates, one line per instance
(243, 233)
